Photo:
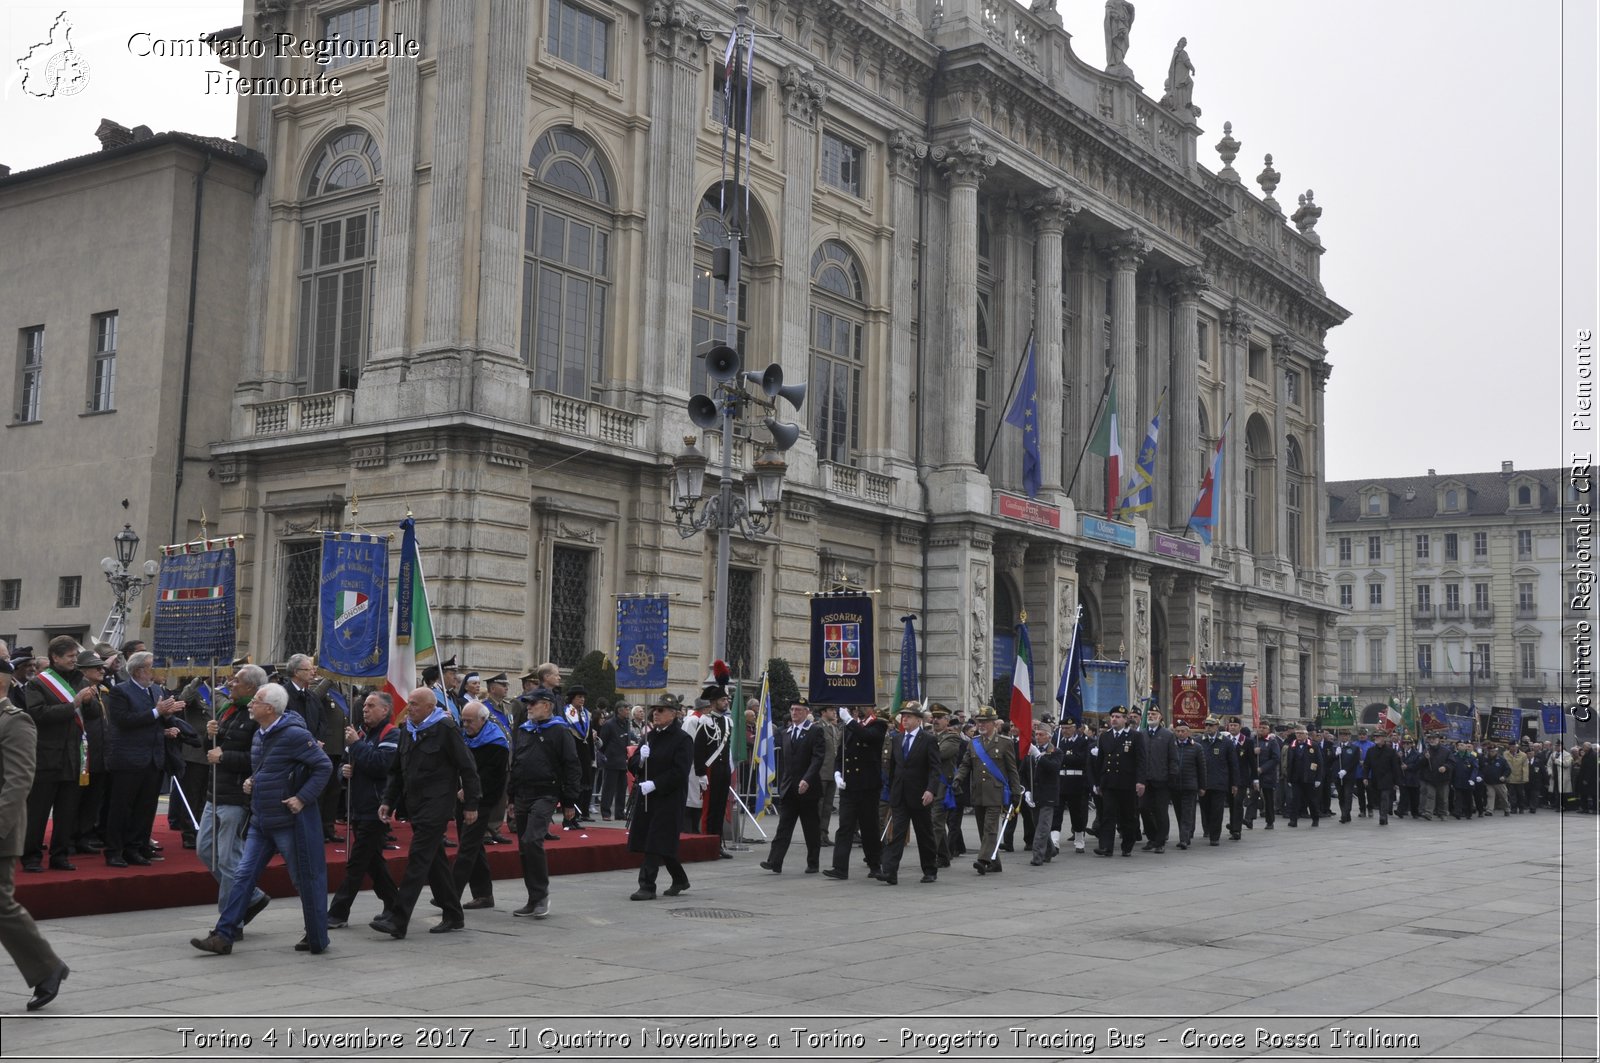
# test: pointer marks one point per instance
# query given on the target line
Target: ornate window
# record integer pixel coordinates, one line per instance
(1452, 546)
(842, 164)
(709, 315)
(1258, 500)
(1528, 655)
(566, 266)
(359, 23)
(1524, 544)
(1375, 594)
(1425, 661)
(741, 647)
(571, 575)
(300, 575)
(1424, 596)
(338, 256)
(1347, 596)
(838, 315)
(1294, 486)
(1344, 549)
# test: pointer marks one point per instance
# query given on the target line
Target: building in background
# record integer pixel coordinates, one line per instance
(1456, 589)
(121, 302)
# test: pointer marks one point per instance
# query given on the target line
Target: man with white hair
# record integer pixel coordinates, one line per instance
(220, 841)
(289, 771)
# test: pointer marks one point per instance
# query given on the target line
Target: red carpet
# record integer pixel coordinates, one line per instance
(181, 879)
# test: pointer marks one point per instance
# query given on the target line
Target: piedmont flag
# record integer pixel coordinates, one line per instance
(1140, 493)
(1107, 443)
(1022, 689)
(410, 623)
(1203, 518)
(1024, 414)
(766, 758)
(1069, 694)
(906, 687)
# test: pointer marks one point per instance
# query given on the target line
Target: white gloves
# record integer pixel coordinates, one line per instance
(647, 787)
(1027, 795)
(838, 779)
(1095, 751)
(1341, 774)
(702, 783)
(644, 751)
(1317, 784)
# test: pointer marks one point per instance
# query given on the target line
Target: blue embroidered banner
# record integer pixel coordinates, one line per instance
(842, 668)
(1105, 684)
(642, 642)
(1505, 725)
(195, 611)
(1552, 719)
(353, 639)
(1225, 689)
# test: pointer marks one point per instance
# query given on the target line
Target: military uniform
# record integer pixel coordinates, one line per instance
(993, 782)
(1119, 771)
(858, 775)
(951, 750)
(34, 957)
(1221, 778)
(1077, 784)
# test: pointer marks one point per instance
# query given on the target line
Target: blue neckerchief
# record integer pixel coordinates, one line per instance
(544, 725)
(433, 718)
(488, 735)
(988, 762)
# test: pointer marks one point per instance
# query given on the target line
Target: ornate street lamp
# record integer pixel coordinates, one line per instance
(125, 585)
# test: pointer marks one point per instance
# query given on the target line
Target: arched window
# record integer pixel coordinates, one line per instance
(710, 310)
(838, 319)
(566, 265)
(1452, 500)
(1524, 495)
(1258, 509)
(1293, 504)
(338, 260)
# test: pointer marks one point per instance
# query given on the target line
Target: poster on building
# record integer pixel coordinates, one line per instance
(1505, 724)
(195, 611)
(642, 642)
(1105, 685)
(353, 613)
(842, 667)
(1190, 704)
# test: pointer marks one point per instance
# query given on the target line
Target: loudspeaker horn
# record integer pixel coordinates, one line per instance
(784, 434)
(703, 412)
(793, 394)
(722, 363)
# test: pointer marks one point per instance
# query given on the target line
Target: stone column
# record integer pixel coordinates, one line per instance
(906, 155)
(964, 164)
(1049, 213)
(1282, 362)
(448, 184)
(504, 197)
(1125, 256)
(1089, 379)
(803, 97)
(1186, 471)
(259, 134)
(396, 207)
(1316, 510)
(1236, 325)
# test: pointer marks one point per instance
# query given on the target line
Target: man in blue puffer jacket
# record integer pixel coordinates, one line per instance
(289, 770)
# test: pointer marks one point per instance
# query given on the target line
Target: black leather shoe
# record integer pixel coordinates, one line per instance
(981, 866)
(32, 866)
(478, 904)
(724, 855)
(304, 945)
(1102, 852)
(112, 860)
(446, 925)
(930, 878)
(215, 944)
(890, 880)
(384, 925)
(767, 865)
(812, 870)
(137, 859)
(61, 863)
(46, 991)
(256, 909)
(1037, 861)
(829, 872)
(674, 889)
(642, 894)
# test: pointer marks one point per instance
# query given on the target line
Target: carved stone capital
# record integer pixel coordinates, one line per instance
(1238, 324)
(965, 162)
(1190, 283)
(1161, 583)
(1051, 209)
(1010, 552)
(803, 93)
(675, 31)
(1093, 570)
(1127, 250)
(906, 153)
(1283, 352)
(272, 15)
(1320, 372)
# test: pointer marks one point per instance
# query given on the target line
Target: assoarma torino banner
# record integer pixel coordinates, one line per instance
(842, 662)
(195, 611)
(1189, 703)
(354, 601)
(642, 642)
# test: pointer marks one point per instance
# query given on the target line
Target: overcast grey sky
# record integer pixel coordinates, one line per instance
(1430, 130)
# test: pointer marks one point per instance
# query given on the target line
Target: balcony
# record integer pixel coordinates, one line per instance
(1422, 615)
(1536, 680)
(1381, 680)
(1528, 612)
(1443, 679)
(851, 482)
(1482, 615)
(1452, 612)
(590, 420)
(300, 413)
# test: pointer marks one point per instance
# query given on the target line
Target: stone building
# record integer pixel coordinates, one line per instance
(477, 283)
(122, 302)
(1458, 588)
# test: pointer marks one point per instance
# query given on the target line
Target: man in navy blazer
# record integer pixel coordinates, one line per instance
(140, 715)
(802, 747)
(915, 786)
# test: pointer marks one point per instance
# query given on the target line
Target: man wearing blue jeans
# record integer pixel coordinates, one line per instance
(220, 841)
(290, 770)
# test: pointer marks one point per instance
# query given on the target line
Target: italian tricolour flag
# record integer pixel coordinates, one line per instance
(410, 623)
(1108, 443)
(1022, 691)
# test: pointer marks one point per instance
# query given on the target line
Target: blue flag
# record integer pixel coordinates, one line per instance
(1069, 693)
(907, 688)
(765, 761)
(1552, 719)
(1024, 413)
(1140, 494)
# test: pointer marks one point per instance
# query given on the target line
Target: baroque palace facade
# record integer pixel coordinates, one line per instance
(477, 282)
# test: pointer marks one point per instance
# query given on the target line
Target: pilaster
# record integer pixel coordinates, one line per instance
(1050, 213)
(1282, 362)
(1187, 288)
(803, 97)
(270, 19)
(448, 186)
(1125, 255)
(1236, 325)
(905, 156)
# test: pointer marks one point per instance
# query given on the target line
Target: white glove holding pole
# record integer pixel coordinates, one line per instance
(838, 780)
(644, 751)
(1027, 795)
(647, 787)
(1341, 774)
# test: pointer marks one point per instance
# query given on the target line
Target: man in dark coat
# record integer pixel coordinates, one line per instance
(1190, 781)
(368, 755)
(615, 737)
(1077, 783)
(55, 699)
(1413, 762)
(1041, 777)
(1264, 789)
(1119, 780)
(544, 777)
(140, 715)
(1160, 766)
(1436, 780)
(431, 766)
(226, 813)
(89, 836)
(1305, 779)
(491, 754)
(915, 790)
(1243, 748)
(801, 749)
(660, 766)
(1221, 780)
(1348, 755)
(1383, 775)
(288, 771)
(858, 781)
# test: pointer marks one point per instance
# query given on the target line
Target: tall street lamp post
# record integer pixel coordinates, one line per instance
(125, 584)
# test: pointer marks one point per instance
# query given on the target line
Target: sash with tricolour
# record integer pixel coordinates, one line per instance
(988, 762)
(63, 690)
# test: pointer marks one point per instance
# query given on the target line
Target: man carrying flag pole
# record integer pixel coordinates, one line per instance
(410, 623)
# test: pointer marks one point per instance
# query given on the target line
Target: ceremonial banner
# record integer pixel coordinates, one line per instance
(1460, 728)
(1020, 709)
(1552, 719)
(411, 622)
(1224, 688)
(1105, 684)
(907, 687)
(842, 669)
(1505, 725)
(353, 638)
(1189, 700)
(195, 611)
(642, 643)
(1434, 718)
(1336, 710)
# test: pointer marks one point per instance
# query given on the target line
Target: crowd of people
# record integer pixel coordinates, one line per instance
(272, 764)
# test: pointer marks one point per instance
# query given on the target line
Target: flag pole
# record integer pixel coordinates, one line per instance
(1010, 395)
(1088, 436)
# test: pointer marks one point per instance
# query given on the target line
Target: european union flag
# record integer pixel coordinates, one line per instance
(1024, 413)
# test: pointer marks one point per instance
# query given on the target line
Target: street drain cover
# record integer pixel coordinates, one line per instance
(711, 913)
